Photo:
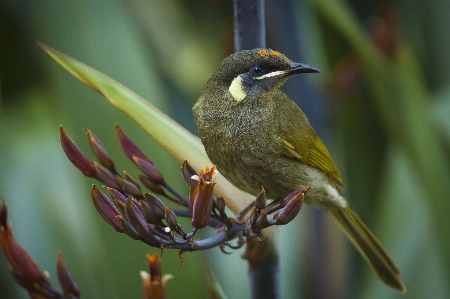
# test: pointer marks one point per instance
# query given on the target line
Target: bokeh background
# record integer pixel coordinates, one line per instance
(382, 105)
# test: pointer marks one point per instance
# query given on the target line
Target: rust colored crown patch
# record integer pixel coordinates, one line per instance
(268, 53)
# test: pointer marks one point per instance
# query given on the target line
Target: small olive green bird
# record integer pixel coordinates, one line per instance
(257, 136)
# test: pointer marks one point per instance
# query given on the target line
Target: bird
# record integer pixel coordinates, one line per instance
(258, 137)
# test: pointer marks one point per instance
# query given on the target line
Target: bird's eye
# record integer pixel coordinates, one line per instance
(257, 70)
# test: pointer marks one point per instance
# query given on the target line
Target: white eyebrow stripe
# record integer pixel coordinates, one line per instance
(272, 74)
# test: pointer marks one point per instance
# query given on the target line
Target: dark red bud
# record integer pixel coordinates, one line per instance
(106, 177)
(290, 196)
(17, 256)
(292, 207)
(130, 188)
(151, 186)
(201, 197)
(75, 155)
(149, 215)
(68, 285)
(149, 170)
(117, 195)
(99, 150)
(254, 216)
(121, 206)
(137, 219)
(201, 209)
(261, 221)
(260, 201)
(105, 208)
(127, 228)
(171, 218)
(156, 205)
(130, 149)
(130, 178)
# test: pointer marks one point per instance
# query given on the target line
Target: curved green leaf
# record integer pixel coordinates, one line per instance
(172, 137)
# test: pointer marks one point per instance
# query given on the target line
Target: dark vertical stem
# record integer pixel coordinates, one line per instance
(262, 257)
(283, 31)
(249, 24)
(263, 267)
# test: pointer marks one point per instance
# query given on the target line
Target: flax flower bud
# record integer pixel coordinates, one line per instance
(75, 155)
(292, 207)
(99, 150)
(130, 149)
(68, 285)
(136, 218)
(201, 197)
(171, 218)
(106, 176)
(105, 208)
(149, 170)
(155, 204)
(19, 259)
(260, 201)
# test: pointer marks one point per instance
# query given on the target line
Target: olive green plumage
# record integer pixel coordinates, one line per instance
(257, 137)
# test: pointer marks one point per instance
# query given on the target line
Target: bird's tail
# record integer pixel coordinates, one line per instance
(369, 247)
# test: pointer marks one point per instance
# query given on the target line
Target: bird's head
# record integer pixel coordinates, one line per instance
(252, 72)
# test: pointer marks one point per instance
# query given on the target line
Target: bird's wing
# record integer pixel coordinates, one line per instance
(300, 140)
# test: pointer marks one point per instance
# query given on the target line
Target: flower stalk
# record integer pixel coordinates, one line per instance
(143, 216)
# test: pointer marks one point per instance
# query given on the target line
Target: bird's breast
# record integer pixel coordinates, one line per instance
(244, 146)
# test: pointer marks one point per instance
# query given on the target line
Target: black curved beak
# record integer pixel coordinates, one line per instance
(297, 68)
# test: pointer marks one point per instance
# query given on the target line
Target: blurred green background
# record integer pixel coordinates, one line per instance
(382, 105)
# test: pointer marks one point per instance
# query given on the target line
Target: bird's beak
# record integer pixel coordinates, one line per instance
(297, 68)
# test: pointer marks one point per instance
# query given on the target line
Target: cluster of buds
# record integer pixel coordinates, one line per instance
(27, 273)
(106, 171)
(36, 281)
(141, 215)
(144, 217)
(285, 211)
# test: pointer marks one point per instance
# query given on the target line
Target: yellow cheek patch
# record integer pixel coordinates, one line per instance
(237, 90)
